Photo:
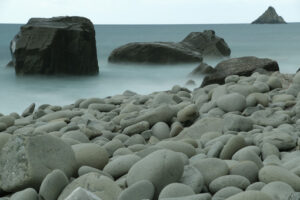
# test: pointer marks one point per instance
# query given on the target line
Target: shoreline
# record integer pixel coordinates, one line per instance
(128, 143)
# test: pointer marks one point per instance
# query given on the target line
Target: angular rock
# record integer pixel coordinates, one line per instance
(243, 66)
(101, 186)
(202, 69)
(26, 159)
(269, 17)
(80, 194)
(58, 45)
(207, 43)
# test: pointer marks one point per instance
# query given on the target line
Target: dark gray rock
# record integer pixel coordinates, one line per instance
(242, 66)
(269, 17)
(189, 50)
(58, 45)
(202, 69)
(154, 52)
(207, 43)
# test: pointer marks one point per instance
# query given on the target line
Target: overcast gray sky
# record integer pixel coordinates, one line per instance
(149, 11)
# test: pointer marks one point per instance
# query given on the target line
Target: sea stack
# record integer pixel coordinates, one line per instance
(270, 16)
(58, 45)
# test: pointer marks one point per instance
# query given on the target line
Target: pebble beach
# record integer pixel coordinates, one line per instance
(234, 141)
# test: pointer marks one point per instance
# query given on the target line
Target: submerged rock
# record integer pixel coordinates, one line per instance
(190, 49)
(269, 17)
(242, 66)
(58, 45)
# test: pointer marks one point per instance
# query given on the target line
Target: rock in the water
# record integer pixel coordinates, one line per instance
(26, 159)
(140, 190)
(161, 167)
(202, 69)
(101, 186)
(243, 66)
(58, 45)
(207, 43)
(154, 52)
(53, 184)
(190, 49)
(270, 16)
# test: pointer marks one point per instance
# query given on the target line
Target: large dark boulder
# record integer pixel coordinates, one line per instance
(270, 16)
(191, 49)
(243, 66)
(59, 45)
(154, 52)
(207, 43)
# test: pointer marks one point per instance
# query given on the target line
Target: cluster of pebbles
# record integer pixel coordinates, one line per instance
(234, 141)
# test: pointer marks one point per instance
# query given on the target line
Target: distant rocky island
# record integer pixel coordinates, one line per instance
(270, 16)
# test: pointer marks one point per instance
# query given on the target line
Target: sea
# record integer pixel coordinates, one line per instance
(280, 42)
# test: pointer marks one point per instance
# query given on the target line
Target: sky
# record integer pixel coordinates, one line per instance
(149, 11)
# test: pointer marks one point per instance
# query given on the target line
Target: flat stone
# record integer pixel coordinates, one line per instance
(161, 167)
(136, 128)
(91, 155)
(237, 123)
(189, 113)
(227, 181)
(193, 178)
(278, 190)
(178, 146)
(121, 165)
(271, 173)
(176, 190)
(233, 145)
(211, 168)
(143, 189)
(247, 169)
(250, 195)
(53, 184)
(226, 193)
(27, 194)
(232, 102)
(101, 186)
(203, 196)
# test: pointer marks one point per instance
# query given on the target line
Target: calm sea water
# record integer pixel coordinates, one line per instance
(278, 42)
